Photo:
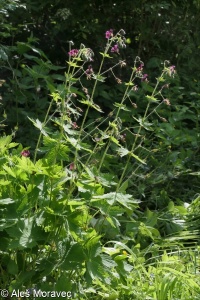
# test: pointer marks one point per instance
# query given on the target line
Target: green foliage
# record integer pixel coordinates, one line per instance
(103, 199)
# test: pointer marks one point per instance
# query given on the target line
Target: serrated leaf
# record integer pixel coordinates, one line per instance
(123, 151)
(5, 141)
(9, 171)
(152, 99)
(91, 104)
(73, 64)
(121, 106)
(107, 261)
(99, 77)
(4, 182)
(124, 199)
(38, 124)
(105, 55)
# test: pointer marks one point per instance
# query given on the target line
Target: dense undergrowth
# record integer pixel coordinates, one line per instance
(99, 166)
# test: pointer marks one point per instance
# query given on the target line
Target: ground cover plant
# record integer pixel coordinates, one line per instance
(89, 203)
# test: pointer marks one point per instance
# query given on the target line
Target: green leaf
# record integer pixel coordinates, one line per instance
(124, 199)
(9, 171)
(5, 141)
(121, 106)
(26, 239)
(91, 104)
(6, 201)
(99, 77)
(105, 55)
(38, 125)
(152, 99)
(114, 140)
(122, 151)
(137, 157)
(12, 267)
(3, 54)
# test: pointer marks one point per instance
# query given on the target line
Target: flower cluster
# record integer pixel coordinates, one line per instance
(118, 38)
(73, 52)
(89, 71)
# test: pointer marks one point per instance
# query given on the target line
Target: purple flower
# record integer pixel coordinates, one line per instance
(140, 68)
(89, 70)
(73, 52)
(74, 125)
(172, 70)
(25, 153)
(144, 78)
(115, 49)
(72, 166)
(109, 34)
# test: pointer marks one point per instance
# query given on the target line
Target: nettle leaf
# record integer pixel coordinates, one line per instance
(94, 268)
(108, 262)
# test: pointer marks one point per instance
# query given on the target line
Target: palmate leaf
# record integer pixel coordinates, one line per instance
(5, 141)
(38, 125)
(99, 264)
(91, 104)
(121, 106)
(123, 151)
(152, 99)
(75, 143)
(9, 171)
(125, 200)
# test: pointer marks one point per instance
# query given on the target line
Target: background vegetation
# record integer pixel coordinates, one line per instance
(100, 152)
